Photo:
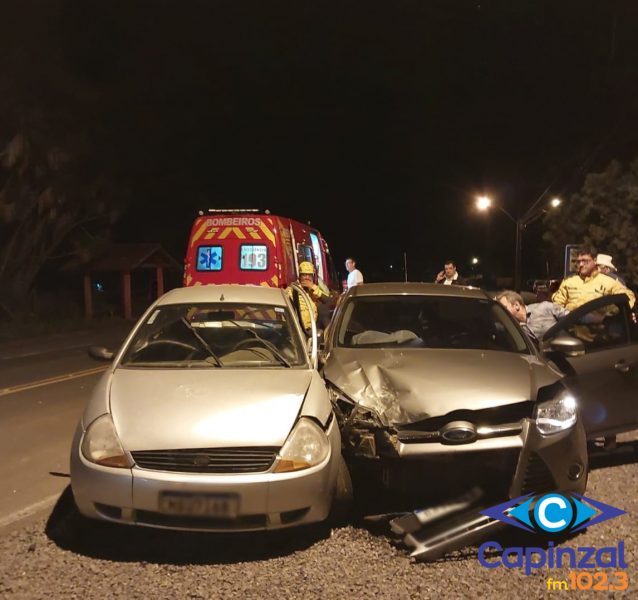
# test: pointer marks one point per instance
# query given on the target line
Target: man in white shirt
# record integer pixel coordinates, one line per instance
(354, 275)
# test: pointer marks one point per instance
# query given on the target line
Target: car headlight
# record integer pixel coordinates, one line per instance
(306, 446)
(102, 446)
(557, 414)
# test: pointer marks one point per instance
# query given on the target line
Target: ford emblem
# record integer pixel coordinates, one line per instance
(201, 460)
(459, 432)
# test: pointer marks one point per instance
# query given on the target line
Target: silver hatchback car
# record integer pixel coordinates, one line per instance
(212, 416)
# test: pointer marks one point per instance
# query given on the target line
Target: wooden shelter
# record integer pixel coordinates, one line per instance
(124, 259)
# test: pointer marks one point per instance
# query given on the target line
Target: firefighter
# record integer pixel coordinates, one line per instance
(316, 293)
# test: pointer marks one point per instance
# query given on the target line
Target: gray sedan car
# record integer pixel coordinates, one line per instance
(437, 390)
(211, 416)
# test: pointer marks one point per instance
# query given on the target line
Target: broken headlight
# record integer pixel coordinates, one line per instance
(557, 414)
(338, 397)
(341, 403)
(347, 410)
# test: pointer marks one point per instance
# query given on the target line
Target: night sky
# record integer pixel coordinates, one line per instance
(377, 121)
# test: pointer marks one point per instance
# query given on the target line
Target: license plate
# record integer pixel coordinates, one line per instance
(222, 506)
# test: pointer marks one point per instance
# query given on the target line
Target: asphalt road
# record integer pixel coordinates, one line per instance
(44, 384)
(47, 552)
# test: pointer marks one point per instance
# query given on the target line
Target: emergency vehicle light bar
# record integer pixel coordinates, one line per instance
(232, 210)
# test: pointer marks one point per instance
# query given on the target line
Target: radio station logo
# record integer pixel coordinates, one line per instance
(553, 513)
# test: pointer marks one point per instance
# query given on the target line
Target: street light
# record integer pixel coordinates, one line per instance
(483, 203)
(475, 260)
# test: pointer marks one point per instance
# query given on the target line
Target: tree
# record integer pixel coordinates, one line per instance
(52, 203)
(603, 214)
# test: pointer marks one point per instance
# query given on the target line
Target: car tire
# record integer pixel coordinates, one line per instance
(341, 509)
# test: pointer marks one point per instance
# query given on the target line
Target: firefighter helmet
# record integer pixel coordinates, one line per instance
(306, 268)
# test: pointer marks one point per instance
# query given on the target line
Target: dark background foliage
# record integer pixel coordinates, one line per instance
(379, 122)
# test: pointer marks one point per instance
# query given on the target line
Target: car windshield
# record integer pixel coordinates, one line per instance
(216, 335)
(413, 321)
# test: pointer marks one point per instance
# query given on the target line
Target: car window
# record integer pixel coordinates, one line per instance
(428, 322)
(216, 335)
(601, 328)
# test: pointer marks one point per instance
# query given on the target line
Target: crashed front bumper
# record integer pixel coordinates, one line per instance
(523, 462)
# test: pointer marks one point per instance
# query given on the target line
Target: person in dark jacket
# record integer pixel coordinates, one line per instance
(449, 275)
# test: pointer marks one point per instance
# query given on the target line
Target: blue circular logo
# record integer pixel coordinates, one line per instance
(553, 513)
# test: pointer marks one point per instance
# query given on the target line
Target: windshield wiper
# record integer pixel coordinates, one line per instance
(278, 355)
(202, 341)
(265, 354)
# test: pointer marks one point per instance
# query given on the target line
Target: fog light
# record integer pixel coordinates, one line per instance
(575, 471)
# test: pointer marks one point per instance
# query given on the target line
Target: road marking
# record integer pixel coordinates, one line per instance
(51, 380)
(23, 513)
(31, 353)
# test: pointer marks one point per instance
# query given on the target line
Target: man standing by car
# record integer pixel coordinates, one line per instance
(354, 275)
(449, 275)
(589, 284)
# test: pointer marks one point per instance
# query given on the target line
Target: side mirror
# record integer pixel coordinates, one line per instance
(100, 353)
(567, 345)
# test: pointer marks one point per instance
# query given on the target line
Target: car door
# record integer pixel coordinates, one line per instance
(604, 379)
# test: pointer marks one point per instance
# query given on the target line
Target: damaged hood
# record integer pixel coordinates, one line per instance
(206, 408)
(409, 385)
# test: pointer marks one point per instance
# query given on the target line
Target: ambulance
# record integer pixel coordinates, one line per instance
(251, 247)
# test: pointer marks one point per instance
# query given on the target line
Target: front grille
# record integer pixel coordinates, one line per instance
(538, 477)
(207, 460)
(498, 415)
(444, 476)
(148, 517)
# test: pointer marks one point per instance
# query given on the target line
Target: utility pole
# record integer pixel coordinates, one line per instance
(534, 212)
(518, 255)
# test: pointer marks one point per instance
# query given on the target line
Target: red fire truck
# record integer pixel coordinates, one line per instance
(251, 247)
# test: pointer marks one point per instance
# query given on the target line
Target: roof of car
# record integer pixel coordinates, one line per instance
(422, 289)
(226, 293)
